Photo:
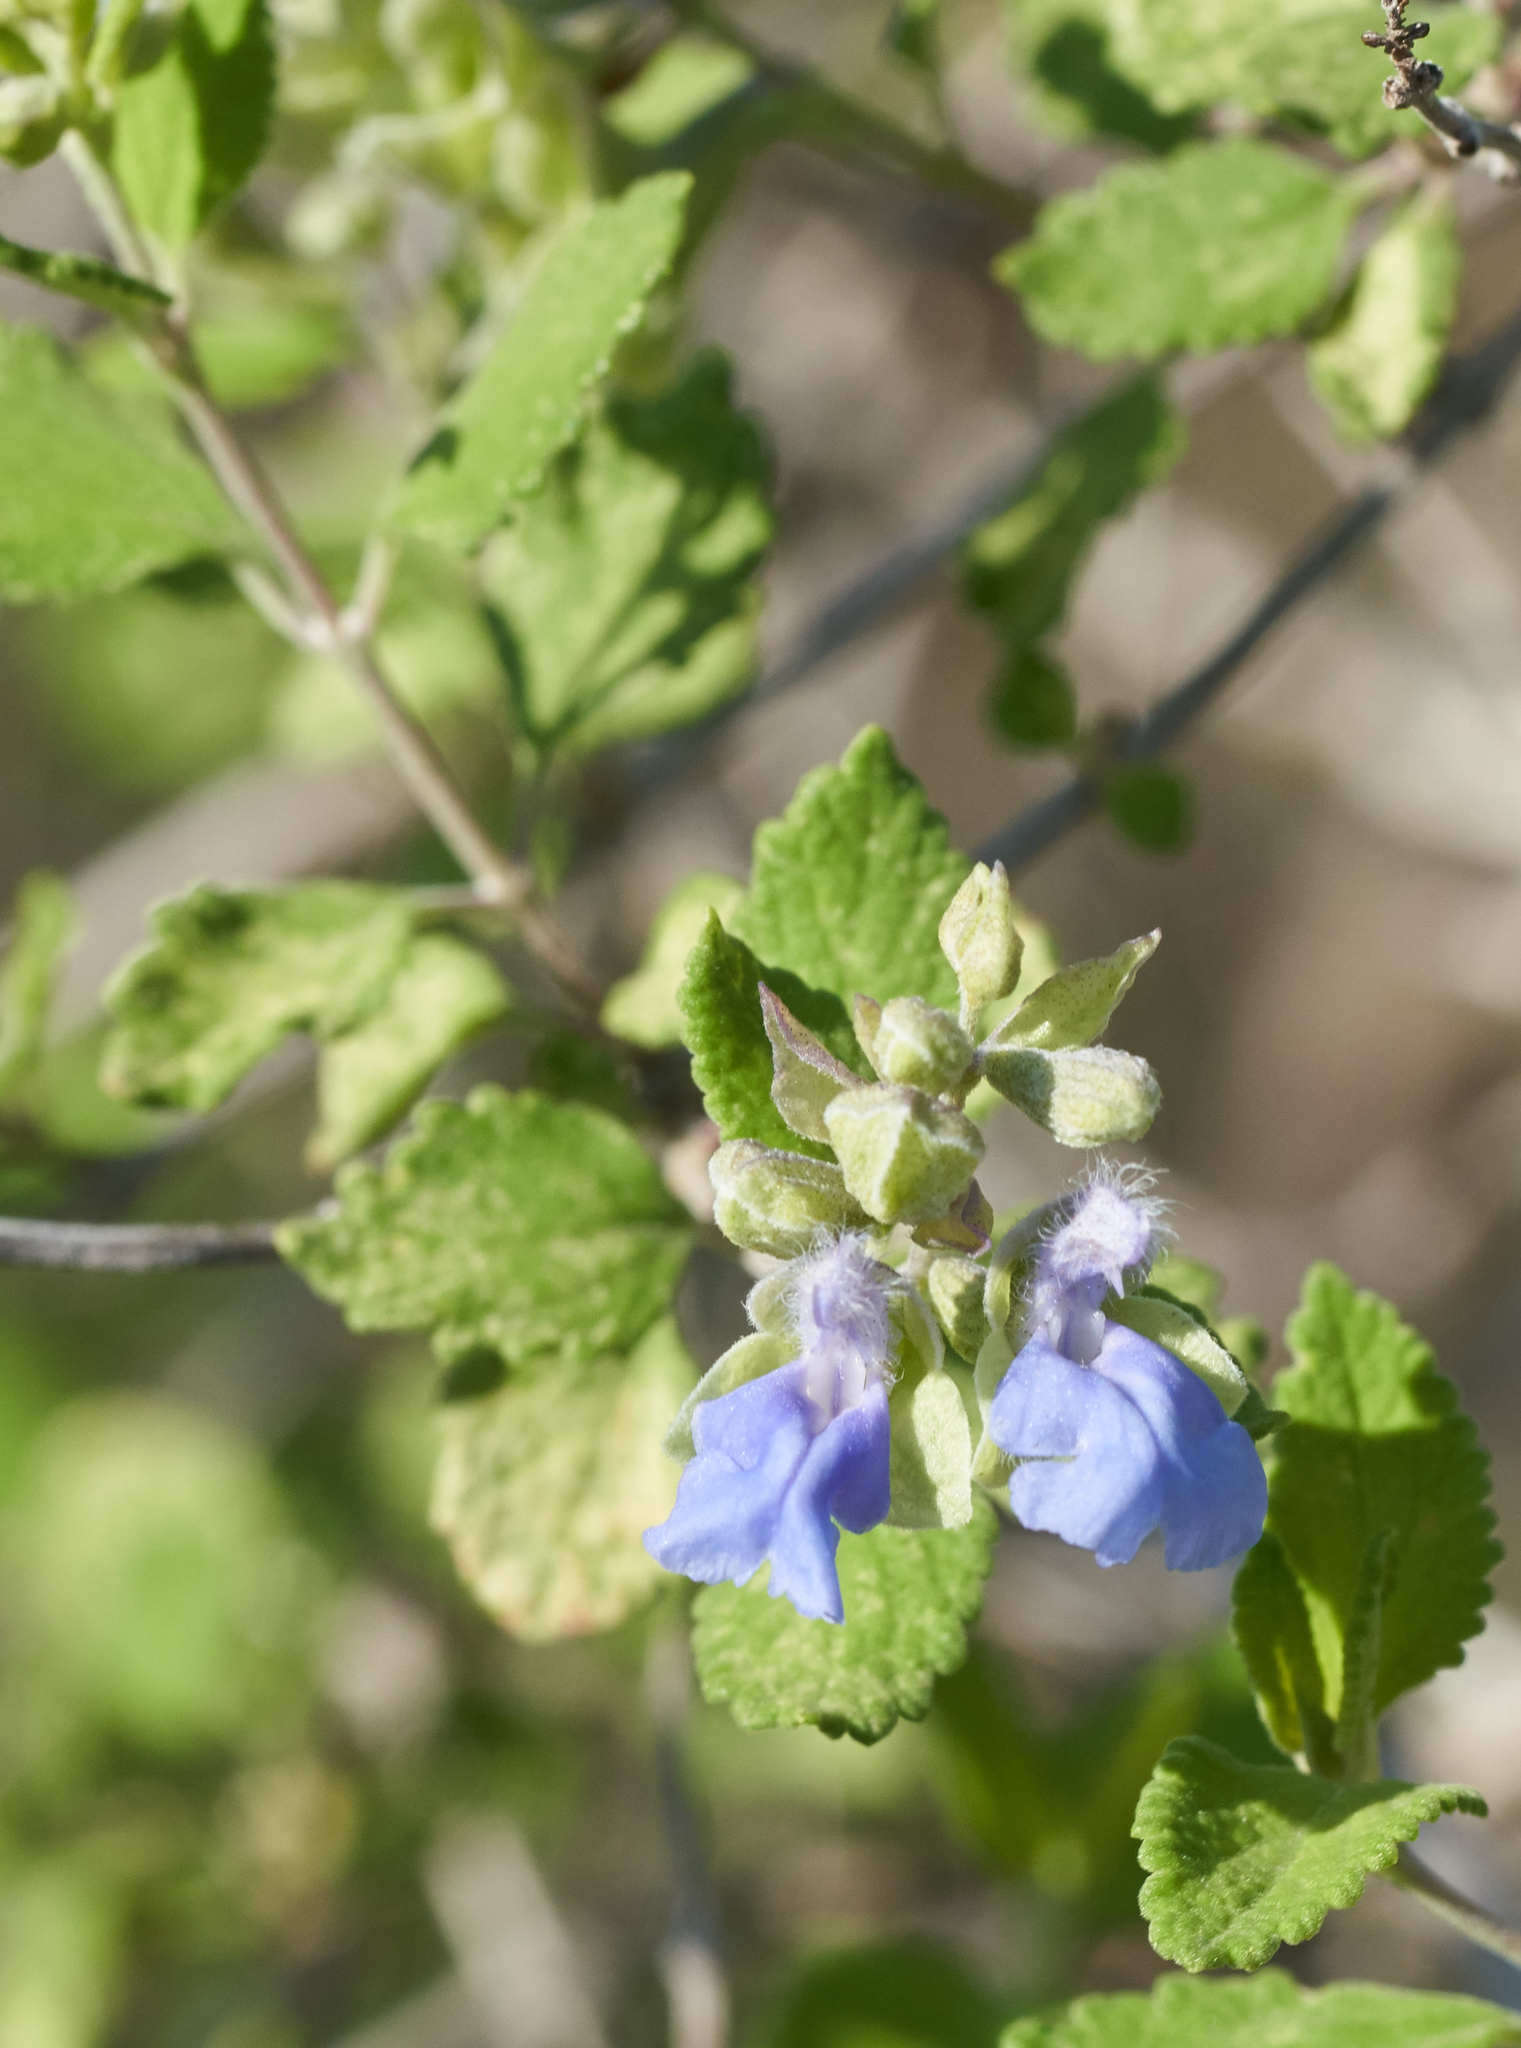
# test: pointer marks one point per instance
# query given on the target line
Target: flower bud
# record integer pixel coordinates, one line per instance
(906, 1158)
(1092, 1095)
(777, 1202)
(918, 1046)
(956, 1287)
(806, 1076)
(32, 119)
(980, 938)
(967, 1226)
(1073, 1006)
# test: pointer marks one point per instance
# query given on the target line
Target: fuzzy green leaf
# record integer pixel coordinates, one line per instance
(1073, 1006)
(1153, 806)
(1244, 1857)
(725, 1032)
(190, 129)
(622, 593)
(539, 1230)
(1375, 1442)
(1304, 63)
(1019, 567)
(228, 973)
(544, 1491)
(643, 1008)
(1381, 357)
(1223, 243)
(1272, 1629)
(849, 885)
(496, 439)
(41, 930)
(443, 993)
(111, 496)
(1033, 703)
(908, 1595)
(1267, 2011)
(1060, 50)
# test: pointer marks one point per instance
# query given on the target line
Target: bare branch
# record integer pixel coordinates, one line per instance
(1416, 84)
(690, 1963)
(134, 1247)
(1469, 391)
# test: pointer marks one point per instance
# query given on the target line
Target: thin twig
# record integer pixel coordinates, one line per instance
(1438, 1897)
(836, 121)
(1469, 391)
(691, 1965)
(134, 1247)
(1416, 84)
(345, 634)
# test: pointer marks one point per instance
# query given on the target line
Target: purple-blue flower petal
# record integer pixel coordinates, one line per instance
(765, 1483)
(1120, 1446)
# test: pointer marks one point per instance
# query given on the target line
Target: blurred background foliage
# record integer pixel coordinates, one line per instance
(271, 1779)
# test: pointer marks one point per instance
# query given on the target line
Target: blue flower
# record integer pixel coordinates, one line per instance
(1115, 1436)
(785, 1461)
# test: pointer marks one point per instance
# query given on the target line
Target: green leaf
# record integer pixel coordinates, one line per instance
(908, 1992)
(85, 277)
(622, 593)
(111, 496)
(1061, 51)
(497, 437)
(537, 1229)
(687, 77)
(725, 1032)
(1272, 1630)
(1224, 243)
(908, 1595)
(849, 885)
(1267, 2011)
(913, 33)
(156, 1563)
(1152, 806)
(443, 993)
(1244, 1857)
(1019, 567)
(1073, 1006)
(229, 973)
(1375, 1442)
(1033, 703)
(642, 1008)
(42, 929)
(1304, 63)
(189, 130)
(544, 1491)
(1382, 355)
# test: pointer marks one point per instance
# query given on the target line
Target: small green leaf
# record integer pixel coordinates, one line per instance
(622, 591)
(1074, 1005)
(908, 1596)
(1152, 806)
(538, 1229)
(807, 1077)
(1375, 1441)
(1384, 351)
(543, 1491)
(642, 1008)
(1060, 51)
(1033, 703)
(42, 929)
(111, 496)
(1306, 63)
(850, 883)
(1019, 566)
(189, 130)
(1224, 243)
(725, 1032)
(443, 993)
(913, 33)
(1272, 1629)
(1244, 1857)
(1267, 2011)
(689, 76)
(931, 1453)
(85, 277)
(497, 437)
(229, 973)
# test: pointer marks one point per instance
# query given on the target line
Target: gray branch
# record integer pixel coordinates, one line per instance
(134, 1247)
